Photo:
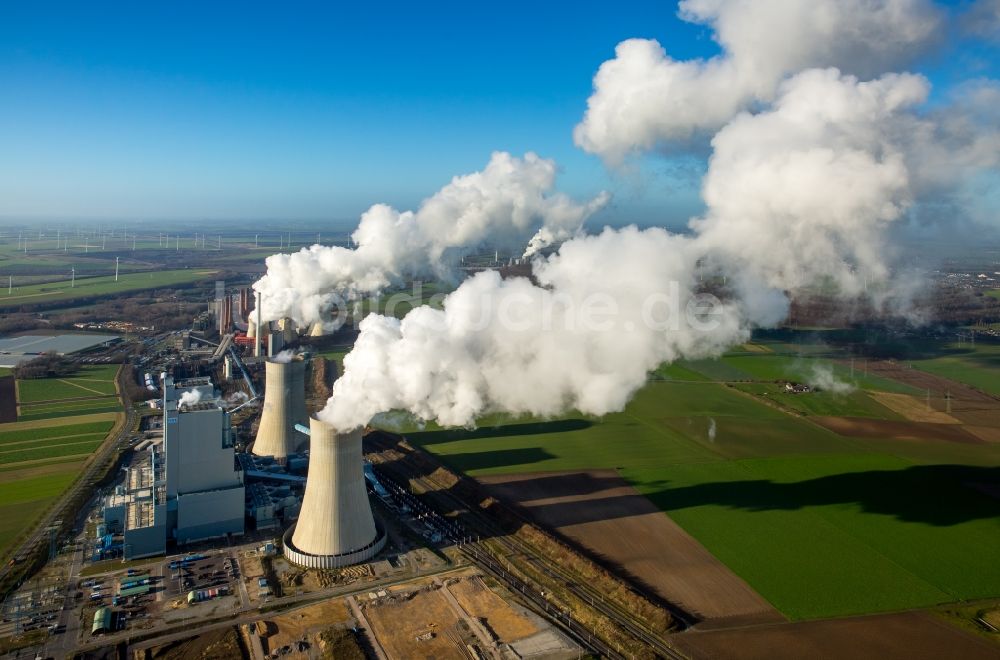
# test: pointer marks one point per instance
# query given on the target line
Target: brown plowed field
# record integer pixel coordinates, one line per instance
(985, 433)
(912, 408)
(862, 427)
(968, 405)
(909, 636)
(604, 514)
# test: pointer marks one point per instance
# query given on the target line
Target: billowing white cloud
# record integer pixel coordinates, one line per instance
(804, 190)
(644, 98)
(509, 204)
(606, 309)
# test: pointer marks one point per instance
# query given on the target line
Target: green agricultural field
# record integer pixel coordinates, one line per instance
(90, 381)
(336, 355)
(678, 372)
(24, 495)
(400, 303)
(819, 524)
(63, 431)
(52, 449)
(770, 368)
(90, 390)
(856, 403)
(99, 286)
(839, 534)
(978, 366)
(74, 412)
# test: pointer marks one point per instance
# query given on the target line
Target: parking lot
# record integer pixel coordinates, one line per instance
(207, 573)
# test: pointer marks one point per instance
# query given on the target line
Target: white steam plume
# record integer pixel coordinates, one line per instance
(284, 357)
(822, 378)
(189, 398)
(509, 204)
(804, 190)
(797, 195)
(606, 310)
(643, 98)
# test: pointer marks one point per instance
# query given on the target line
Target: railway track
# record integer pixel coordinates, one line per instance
(516, 550)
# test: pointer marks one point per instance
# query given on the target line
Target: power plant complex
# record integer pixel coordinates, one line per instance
(199, 481)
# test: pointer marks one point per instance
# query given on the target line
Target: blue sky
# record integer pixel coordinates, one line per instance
(278, 110)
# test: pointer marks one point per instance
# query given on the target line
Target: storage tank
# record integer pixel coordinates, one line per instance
(335, 526)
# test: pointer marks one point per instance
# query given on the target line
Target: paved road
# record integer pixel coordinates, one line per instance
(168, 632)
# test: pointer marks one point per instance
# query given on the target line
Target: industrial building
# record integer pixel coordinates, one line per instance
(21, 348)
(335, 526)
(186, 488)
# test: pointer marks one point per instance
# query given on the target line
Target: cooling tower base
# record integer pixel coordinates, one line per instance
(333, 561)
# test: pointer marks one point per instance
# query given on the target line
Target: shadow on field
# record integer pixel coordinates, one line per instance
(939, 495)
(478, 460)
(533, 428)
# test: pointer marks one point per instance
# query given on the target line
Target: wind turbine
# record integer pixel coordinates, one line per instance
(116, 269)
(72, 281)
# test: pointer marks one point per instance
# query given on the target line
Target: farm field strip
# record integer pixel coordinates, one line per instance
(83, 447)
(97, 380)
(96, 402)
(85, 287)
(58, 431)
(20, 444)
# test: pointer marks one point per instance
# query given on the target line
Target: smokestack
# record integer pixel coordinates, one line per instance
(227, 314)
(335, 526)
(284, 407)
(260, 330)
(244, 303)
(287, 326)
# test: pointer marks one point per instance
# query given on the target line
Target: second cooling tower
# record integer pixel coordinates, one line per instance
(284, 407)
(335, 526)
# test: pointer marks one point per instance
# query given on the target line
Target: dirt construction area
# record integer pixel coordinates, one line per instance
(221, 644)
(417, 625)
(605, 515)
(301, 624)
(476, 599)
(863, 427)
(913, 636)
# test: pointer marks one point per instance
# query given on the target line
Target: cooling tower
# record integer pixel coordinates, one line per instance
(284, 407)
(316, 329)
(287, 327)
(335, 526)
